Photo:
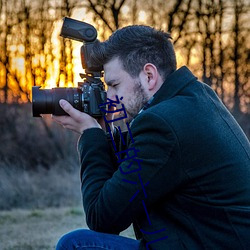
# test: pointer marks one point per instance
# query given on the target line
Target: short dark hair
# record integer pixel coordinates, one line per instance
(135, 46)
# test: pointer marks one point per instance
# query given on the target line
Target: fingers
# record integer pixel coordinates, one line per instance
(62, 120)
(76, 120)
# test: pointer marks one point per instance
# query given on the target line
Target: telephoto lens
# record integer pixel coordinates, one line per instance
(46, 101)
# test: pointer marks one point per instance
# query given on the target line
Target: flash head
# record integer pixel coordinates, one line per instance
(76, 30)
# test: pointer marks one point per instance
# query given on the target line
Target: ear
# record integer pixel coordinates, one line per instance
(152, 75)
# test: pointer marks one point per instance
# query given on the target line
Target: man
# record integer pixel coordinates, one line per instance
(184, 179)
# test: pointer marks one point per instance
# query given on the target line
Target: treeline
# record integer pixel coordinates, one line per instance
(30, 143)
(211, 37)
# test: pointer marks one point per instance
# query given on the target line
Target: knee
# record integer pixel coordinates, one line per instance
(63, 242)
(69, 240)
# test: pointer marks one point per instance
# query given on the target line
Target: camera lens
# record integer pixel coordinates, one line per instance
(46, 101)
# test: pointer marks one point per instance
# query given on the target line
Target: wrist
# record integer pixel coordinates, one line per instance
(92, 124)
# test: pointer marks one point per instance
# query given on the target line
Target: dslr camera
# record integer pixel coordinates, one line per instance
(90, 93)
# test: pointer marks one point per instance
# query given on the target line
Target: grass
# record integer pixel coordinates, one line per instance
(39, 168)
(40, 198)
(55, 187)
(49, 205)
(40, 229)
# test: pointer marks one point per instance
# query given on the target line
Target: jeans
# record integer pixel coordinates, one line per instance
(90, 240)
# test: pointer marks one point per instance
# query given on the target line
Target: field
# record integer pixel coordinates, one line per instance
(36, 229)
(40, 229)
(40, 197)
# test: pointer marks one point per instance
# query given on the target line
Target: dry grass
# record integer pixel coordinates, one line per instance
(39, 164)
(36, 229)
(21, 188)
(39, 181)
(40, 229)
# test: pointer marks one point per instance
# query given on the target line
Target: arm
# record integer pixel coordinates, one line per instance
(106, 196)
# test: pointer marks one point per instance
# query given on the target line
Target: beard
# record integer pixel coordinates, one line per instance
(136, 102)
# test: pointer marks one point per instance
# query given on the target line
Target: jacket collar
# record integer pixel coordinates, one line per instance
(173, 84)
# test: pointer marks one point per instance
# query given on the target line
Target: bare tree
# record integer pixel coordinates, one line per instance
(108, 12)
(210, 35)
(11, 77)
(66, 8)
(217, 32)
(239, 53)
(4, 56)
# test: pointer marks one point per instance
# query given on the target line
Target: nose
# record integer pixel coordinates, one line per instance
(111, 94)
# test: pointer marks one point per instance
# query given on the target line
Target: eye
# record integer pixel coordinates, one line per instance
(115, 85)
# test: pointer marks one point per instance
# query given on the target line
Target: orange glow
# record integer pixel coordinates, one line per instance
(180, 59)
(42, 68)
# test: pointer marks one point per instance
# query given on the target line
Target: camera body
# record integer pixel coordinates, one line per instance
(86, 98)
(91, 96)
(90, 93)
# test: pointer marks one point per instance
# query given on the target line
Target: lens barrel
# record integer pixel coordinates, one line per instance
(46, 101)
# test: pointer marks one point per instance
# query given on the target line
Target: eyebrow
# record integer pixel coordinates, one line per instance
(110, 82)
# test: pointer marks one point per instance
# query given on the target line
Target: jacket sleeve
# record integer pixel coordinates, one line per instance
(113, 199)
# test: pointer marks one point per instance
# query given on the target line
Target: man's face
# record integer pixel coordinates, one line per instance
(121, 84)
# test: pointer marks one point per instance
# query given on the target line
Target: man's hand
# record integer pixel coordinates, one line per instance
(76, 121)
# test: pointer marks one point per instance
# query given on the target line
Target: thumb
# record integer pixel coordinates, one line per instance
(66, 106)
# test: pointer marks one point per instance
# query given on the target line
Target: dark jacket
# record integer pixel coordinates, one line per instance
(188, 186)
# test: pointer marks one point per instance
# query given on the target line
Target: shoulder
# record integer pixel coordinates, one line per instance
(151, 123)
(165, 112)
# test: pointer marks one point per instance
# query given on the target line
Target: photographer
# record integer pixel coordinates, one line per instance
(183, 179)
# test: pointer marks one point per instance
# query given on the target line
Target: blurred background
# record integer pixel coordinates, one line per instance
(38, 159)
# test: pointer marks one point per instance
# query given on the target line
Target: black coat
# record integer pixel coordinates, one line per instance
(185, 183)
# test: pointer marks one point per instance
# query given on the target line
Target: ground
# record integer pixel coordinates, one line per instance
(40, 229)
